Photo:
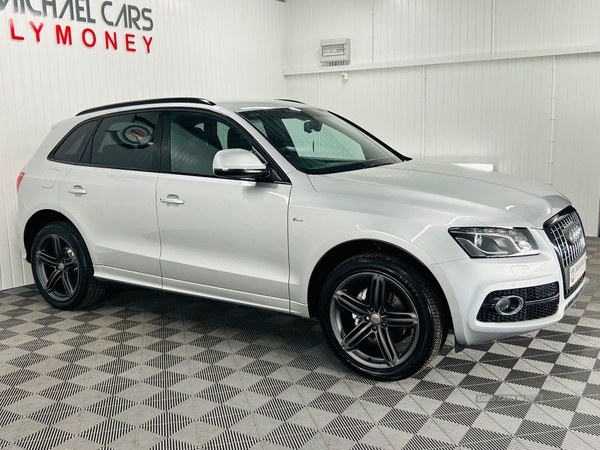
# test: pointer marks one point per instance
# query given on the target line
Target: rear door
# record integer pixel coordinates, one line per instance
(111, 196)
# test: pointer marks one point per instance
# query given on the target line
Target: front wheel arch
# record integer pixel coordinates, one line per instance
(342, 252)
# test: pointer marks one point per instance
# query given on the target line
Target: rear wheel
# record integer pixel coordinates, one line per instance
(62, 267)
(381, 317)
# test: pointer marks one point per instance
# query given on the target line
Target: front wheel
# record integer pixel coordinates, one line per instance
(380, 317)
(62, 267)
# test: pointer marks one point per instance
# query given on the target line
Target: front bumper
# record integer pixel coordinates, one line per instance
(468, 282)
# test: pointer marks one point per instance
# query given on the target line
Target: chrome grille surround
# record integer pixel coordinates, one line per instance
(557, 229)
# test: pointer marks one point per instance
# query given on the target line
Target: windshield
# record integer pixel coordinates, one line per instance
(316, 141)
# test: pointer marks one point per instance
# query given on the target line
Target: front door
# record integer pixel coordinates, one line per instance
(221, 238)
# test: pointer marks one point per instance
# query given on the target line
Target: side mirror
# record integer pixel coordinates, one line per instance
(239, 164)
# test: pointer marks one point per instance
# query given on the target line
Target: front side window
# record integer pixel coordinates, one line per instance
(196, 138)
(316, 141)
(127, 141)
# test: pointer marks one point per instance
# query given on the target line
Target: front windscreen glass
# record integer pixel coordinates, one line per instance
(316, 141)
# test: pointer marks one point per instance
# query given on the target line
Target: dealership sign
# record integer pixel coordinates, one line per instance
(136, 23)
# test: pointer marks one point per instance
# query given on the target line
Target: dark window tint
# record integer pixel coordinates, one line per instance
(127, 141)
(71, 149)
(196, 138)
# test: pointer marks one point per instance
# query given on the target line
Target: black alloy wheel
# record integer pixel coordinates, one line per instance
(62, 267)
(380, 317)
(57, 267)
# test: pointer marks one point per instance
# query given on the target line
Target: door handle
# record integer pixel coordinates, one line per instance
(172, 199)
(77, 190)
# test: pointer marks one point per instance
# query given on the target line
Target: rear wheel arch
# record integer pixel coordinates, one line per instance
(62, 267)
(38, 221)
(342, 252)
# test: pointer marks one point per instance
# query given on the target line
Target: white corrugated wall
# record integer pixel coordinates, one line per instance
(229, 48)
(515, 83)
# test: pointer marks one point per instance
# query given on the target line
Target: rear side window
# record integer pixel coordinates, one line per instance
(127, 141)
(71, 149)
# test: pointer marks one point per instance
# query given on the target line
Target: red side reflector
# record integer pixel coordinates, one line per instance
(19, 179)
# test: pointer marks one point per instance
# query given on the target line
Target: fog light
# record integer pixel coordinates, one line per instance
(509, 305)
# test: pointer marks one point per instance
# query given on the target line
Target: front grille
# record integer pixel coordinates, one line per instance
(567, 252)
(539, 301)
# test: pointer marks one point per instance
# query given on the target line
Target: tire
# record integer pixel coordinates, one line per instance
(381, 317)
(62, 267)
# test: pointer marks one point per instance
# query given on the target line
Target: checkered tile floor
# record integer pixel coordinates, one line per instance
(148, 370)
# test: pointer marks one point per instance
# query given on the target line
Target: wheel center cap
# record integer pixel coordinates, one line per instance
(61, 267)
(375, 319)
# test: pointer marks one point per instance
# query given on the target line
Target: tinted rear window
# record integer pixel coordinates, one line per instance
(127, 141)
(71, 149)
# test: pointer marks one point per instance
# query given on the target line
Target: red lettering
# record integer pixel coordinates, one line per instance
(65, 36)
(37, 30)
(130, 42)
(147, 42)
(13, 34)
(108, 40)
(84, 33)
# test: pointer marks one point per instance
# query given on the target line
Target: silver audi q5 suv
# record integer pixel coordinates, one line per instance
(281, 205)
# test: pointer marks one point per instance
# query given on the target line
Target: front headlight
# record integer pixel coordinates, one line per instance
(495, 242)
